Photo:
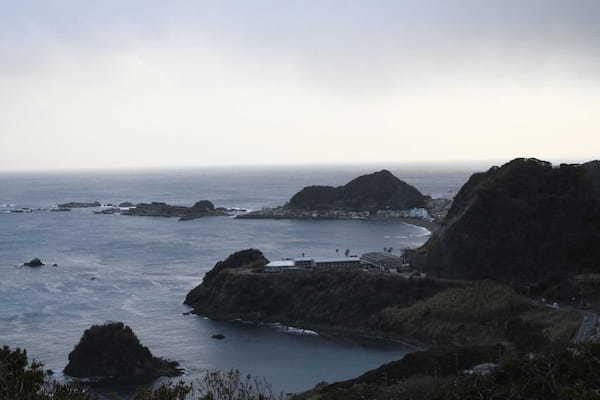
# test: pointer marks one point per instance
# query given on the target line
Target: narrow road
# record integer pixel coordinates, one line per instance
(589, 321)
(587, 327)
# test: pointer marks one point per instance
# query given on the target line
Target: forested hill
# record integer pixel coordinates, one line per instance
(526, 222)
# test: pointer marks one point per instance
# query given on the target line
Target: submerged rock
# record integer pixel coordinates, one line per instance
(79, 204)
(113, 353)
(36, 262)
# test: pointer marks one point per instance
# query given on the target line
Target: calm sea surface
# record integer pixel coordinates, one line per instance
(139, 269)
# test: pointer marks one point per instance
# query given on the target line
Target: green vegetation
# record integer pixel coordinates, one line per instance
(21, 380)
(484, 312)
(559, 373)
(481, 302)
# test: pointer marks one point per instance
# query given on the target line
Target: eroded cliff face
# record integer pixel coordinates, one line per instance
(523, 223)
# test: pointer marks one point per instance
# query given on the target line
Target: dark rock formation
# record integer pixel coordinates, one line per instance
(203, 208)
(249, 258)
(524, 223)
(218, 336)
(126, 204)
(113, 353)
(77, 204)
(36, 262)
(376, 191)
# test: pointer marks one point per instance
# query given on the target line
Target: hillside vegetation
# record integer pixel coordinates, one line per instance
(524, 223)
(482, 313)
(557, 373)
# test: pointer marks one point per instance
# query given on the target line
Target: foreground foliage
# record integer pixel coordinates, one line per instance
(21, 380)
(558, 373)
(562, 374)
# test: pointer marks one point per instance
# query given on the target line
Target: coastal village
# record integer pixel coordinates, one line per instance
(292, 213)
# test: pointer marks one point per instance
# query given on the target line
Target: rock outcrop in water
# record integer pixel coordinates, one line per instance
(524, 223)
(36, 262)
(377, 191)
(77, 204)
(112, 352)
(202, 208)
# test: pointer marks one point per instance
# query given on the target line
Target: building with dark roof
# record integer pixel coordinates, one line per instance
(385, 262)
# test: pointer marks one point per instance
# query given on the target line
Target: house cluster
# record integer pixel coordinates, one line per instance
(419, 213)
(374, 261)
(290, 213)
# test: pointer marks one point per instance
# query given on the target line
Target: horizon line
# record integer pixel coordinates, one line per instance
(439, 162)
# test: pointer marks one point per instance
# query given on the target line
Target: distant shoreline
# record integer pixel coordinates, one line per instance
(431, 226)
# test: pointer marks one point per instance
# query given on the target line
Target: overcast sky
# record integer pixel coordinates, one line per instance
(149, 83)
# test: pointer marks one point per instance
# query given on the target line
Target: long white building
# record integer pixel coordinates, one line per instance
(313, 263)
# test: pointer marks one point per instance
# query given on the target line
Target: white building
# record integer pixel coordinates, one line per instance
(280, 266)
(305, 263)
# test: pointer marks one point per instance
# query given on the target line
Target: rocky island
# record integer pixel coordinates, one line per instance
(112, 353)
(378, 195)
(202, 208)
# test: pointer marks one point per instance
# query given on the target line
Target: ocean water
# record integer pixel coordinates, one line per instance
(139, 269)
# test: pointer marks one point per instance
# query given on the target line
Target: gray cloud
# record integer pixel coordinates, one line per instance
(455, 79)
